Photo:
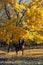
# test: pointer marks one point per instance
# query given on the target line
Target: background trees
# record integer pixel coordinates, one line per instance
(19, 19)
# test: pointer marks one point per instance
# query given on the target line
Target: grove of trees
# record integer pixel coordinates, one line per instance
(21, 19)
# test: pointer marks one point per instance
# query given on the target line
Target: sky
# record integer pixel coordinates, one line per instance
(27, 0)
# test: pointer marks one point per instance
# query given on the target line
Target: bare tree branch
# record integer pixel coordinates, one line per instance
(21, 18)
(7, 12)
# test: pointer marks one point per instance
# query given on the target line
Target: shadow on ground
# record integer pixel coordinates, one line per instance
(15, 60)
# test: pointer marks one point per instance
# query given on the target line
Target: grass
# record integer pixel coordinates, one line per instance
(30, 57)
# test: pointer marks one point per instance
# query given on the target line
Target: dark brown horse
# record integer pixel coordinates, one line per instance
(18, 47)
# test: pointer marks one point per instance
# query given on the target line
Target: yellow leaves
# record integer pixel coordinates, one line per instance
(10, 1)
(34, 7)
(17, 32)
(37, 1)
(39, 10)
(32, 20)
(28, 21)
(28, 13)
(38, 38)
(22, 6)
(35, 16)
(12, 21)
(33, 26)
(14, 1)
(29, 35)
(20, 14)
(7, 1)
(19, 7)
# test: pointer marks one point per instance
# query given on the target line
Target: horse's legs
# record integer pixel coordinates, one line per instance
(16, 52)
(9, 48)
(22, 52)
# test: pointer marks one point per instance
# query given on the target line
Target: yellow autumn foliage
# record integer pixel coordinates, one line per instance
(32, 19)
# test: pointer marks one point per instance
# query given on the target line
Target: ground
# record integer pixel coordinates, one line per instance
(30, 57)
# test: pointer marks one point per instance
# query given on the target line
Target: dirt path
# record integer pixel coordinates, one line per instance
(27, 53)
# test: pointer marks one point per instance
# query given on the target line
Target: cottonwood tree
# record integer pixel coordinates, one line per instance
(25, 20)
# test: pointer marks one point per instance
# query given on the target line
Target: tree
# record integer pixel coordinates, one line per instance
(25, 20)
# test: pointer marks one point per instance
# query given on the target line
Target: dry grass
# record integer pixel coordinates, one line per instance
(30, 57)
(27, 53)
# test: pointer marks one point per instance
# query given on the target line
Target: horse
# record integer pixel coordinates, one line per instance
(18, 46)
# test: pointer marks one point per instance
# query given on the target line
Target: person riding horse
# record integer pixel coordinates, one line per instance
(18, 46)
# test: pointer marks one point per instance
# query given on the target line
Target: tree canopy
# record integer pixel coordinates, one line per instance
(20, 19)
